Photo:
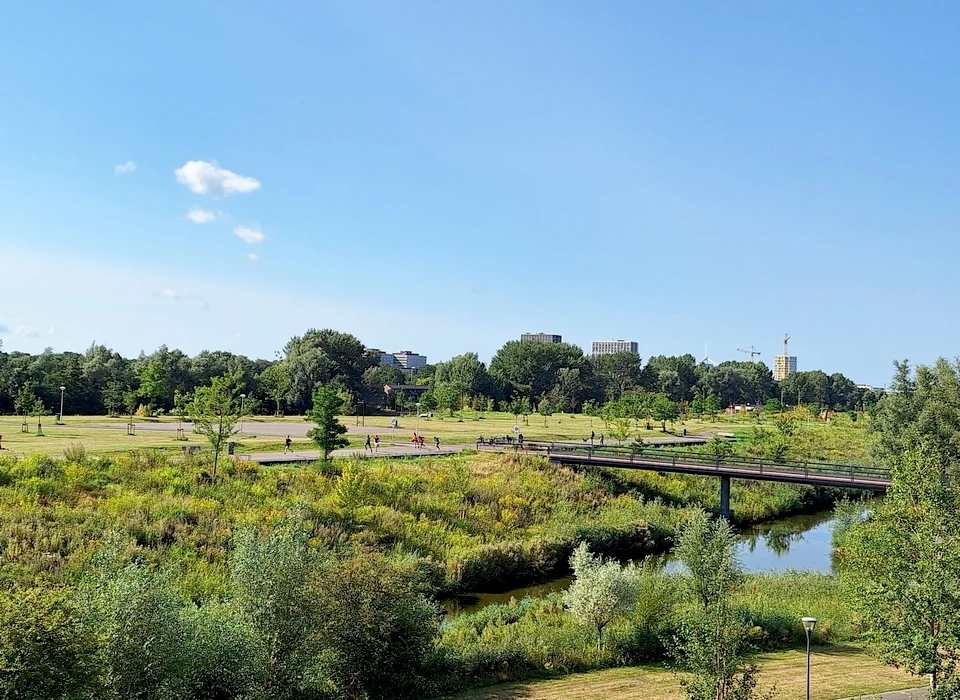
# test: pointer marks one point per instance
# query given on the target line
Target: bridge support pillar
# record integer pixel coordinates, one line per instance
(725, 497)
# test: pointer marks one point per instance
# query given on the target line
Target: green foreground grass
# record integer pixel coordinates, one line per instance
(837, 671)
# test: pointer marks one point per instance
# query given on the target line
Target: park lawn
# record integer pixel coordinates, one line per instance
(840, 440)
(837, 671)
(103, 435)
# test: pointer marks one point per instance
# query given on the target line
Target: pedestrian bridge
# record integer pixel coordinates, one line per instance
(851, 476)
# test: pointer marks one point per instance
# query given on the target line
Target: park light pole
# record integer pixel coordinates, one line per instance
(60, 417)
(808, 624)
(242, 399)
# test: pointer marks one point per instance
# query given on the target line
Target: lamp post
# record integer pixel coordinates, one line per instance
(60, 417)
(242, 399)
(417, 404)
(808, 624)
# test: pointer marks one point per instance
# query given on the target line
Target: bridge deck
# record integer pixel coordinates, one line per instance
(810, 473)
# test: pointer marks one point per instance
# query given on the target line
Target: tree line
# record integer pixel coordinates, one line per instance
(523, 377)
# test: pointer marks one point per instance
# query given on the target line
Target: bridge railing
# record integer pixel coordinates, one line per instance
(651, 455)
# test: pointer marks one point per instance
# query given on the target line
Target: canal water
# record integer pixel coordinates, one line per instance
(800, 542)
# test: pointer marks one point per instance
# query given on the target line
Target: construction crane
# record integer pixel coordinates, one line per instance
(751, 351)
(786, 339)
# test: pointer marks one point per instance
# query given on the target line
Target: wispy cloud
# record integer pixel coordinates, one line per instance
(202, 216)
(27, 331)
(209, 178)
(125, 168)
(249, 234)
(252, 257)
(52, 331)
(4, 328)
(178, 297)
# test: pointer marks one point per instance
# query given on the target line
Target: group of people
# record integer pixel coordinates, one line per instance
(418, 440)
(374, 445)
(594, 435)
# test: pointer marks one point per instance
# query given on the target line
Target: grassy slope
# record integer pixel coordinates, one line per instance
(836, 672)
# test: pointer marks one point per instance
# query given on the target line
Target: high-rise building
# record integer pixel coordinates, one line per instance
(783, 366)
(385, 358)
(608, 347)
(410, 360)
(541, 337)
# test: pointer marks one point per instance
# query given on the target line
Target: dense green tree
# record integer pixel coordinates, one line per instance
(465, 373)
(276, 384)
(663, 409)
(531, 368)
(924, 406)
(328, 435)
(902, 568)
(374, 379)
(674, 376)
(618, 372)
(152, 381)
(728, 382)
(322, 357)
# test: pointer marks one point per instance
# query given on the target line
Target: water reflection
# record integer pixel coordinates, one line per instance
(801, 543)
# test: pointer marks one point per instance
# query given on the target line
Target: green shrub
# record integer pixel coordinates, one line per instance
(44, 655)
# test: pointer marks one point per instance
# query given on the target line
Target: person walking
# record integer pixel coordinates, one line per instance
(376, 442)
(286, 444)
(436, 441)
(601, 439)
(366, 445)
(592, 434)
(520, 440)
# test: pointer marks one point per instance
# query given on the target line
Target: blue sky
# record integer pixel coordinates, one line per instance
(442, 177)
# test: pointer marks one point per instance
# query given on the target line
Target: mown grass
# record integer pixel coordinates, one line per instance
(840, 671)
(840, 440)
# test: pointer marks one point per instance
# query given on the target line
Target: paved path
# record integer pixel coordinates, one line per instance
(275, 428)
(386, 450)
(912, 694)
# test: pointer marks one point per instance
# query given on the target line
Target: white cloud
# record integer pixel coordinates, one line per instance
(27, 331)
(168, 293)
(124, 168)
(52, 331)
(249, 234)
(209, 178)
(201, 216)
(252, 257)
